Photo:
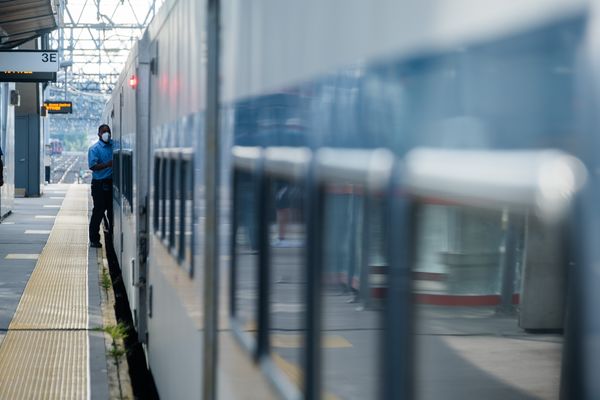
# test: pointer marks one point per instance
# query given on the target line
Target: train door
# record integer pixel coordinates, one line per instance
(119, 222)
(143, 176)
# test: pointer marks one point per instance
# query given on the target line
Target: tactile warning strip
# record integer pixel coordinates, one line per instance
(45, 352)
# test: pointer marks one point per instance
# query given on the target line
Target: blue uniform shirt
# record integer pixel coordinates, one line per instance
(100, 152)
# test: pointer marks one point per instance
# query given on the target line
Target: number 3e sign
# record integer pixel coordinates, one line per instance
(29, 60)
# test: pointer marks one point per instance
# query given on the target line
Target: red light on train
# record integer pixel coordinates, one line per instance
(133, 81)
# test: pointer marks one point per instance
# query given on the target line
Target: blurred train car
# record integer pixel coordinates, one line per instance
(56, 147)
(458, 75)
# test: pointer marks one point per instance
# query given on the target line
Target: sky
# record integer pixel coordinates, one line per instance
(91, 25)
(107, 25)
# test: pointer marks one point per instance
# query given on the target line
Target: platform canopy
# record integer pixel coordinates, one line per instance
(24, 20)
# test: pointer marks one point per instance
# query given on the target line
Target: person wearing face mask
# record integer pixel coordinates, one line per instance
(100, 157)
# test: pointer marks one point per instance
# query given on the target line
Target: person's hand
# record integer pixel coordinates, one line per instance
(108, 164)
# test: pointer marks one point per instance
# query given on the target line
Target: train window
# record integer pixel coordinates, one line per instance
(181, 208)
(163, 197)
(489, 292)
(287, 286)
(127, 176)
(245, 253)
(173, 203)
(172, 196)
(116, 174)
(186, 213)
(123, 179)
(156, 188)
(189, 215)
(353, 293)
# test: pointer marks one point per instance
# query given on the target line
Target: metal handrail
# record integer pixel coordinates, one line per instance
(246, 158)
(287, 162)
(369, 168)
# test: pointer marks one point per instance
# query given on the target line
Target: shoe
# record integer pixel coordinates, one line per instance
(96, 244)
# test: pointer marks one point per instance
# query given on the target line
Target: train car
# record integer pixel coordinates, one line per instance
(156, 164)
(56, 147)
(282, 81)
(123, 115)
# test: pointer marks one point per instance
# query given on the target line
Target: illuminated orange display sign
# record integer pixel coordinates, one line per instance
(58, 107)
(27, 76)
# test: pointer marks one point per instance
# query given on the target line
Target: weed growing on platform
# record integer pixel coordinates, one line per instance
(118, 333)
(116, 353)
(106, 283)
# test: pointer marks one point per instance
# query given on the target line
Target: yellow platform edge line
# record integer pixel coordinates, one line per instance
(50, 360)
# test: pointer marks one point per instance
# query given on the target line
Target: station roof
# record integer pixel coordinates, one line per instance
(24, 20)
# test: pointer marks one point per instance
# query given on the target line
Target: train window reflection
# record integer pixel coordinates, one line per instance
(287, 236)
(489, 291)
(353, 296)
(246, 253)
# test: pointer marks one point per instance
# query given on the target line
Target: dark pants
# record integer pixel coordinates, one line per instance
(102, 196)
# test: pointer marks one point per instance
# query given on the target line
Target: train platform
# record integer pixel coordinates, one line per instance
(53, 343)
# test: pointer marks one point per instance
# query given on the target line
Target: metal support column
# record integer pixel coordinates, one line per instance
(397, 349)
(212, 187)
(263, 201)
(315, 204)
(233, 243)
(365, 287)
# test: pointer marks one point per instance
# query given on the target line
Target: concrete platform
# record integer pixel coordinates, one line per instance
(51, 343)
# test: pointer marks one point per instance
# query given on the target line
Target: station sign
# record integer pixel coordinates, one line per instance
(58, 107)
(29, 60)
(27, 76)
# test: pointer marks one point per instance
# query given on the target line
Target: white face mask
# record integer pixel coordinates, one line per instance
(105, 137)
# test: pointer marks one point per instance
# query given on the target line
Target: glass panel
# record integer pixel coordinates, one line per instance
(116, 174)
(129, 193)
(353, 293)
(189, 214)
(156, 189)
(246, 253)
(490, 292)
(163, 196)
(127, 178)
(175, 210)
(287, 234)
(171, 206)
(181, 207)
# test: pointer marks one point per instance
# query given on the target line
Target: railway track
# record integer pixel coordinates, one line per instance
(70, 168)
